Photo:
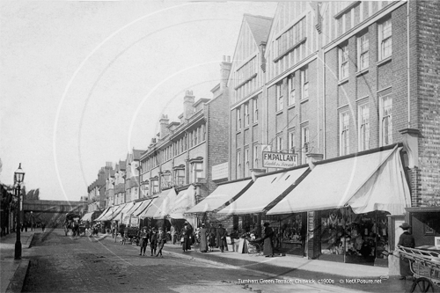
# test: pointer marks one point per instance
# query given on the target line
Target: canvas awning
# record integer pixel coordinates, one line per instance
(120, 214)
(184, 200)
(366, 183)
(158, 209)
(130, 212)
(264, 191)
(144, 205)
(221, 196)
(87, 217)
(106, 211)
(113, 211)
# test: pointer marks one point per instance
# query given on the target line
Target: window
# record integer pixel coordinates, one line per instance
(279, 143)
(291, 90)
(385, 41)
(179, 177)
(386, 120)
(362, 44)
(155, 185)
(279, 96)
(166, 180)
(255, 156)
(238, 164)
(292, 142)
(246, 114)
(343, 62)
(305, 141)
(197, 171)
(364, 127)
(344, 123)
(246, 163)
(238, 119)
(255, 102)
(203, 133)
(305, 83)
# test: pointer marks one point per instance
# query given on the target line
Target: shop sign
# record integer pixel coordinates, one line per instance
(279, 160)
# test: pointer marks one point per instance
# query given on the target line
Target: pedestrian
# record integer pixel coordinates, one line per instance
(153, 241)
(405, 240)
(144, 240)
(187, 237)
(173, 234)
(161, 240)
(235, 239)
(268, 240)
(212, 235)
(203, 238)
(221, 238)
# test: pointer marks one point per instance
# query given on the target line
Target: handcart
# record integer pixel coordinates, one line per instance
(131, 235)
(425, 266)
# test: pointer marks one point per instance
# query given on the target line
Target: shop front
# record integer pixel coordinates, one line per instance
(347, 203)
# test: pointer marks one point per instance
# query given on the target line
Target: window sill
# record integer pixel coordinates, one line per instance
(238, 131)
(279, 112)
(362, 72)
(291, 106)
(384, 61)
(255, 123)
(246, 128)
(305, 100)
(342, 81)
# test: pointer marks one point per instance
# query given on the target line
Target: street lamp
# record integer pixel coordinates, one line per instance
(18, 179)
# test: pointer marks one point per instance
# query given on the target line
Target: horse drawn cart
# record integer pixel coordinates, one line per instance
(131, 235)
(425, 266)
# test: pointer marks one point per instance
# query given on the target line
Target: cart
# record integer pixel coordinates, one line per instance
(425, 266)
(131, 235)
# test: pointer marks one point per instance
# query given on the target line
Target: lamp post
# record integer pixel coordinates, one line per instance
(18, 179)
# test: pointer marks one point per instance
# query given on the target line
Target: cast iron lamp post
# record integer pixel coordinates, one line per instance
(18, 179)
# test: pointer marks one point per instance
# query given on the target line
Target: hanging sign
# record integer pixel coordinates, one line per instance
(279, 160)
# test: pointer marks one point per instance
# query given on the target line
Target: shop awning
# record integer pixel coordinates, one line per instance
(113, 211)
(130, 212)
(158, 209)
(120, 214)
(366, 183)
(144, 205)
(102, 215)
(182, 203)
(222, 195)
(264, 191)
(87, 217)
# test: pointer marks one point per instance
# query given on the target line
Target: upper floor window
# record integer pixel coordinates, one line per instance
(364, 127)
(305, 83)
(386, 124)
(196, 136)
(385, 40)
(255, 156)
(166, 180)
(292, 141)
(292, 90)
(155, 185)
(363, 56)
(343, 62)
(246, 114)
(279, 96)
(255, 104)
(344, 124)
(197, 171)
(238, 118)
(279, 143)
(305, 141)
(179, 177)
(246, 163)
(238, 164)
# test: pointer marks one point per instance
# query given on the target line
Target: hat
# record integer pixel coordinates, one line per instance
(405, 226)
(266, 224)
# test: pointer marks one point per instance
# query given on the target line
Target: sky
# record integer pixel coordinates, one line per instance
(83, 82)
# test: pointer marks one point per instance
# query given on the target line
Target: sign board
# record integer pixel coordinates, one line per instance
(220, 171)
(279, 160)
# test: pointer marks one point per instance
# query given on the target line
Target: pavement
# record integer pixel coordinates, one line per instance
(13, 273)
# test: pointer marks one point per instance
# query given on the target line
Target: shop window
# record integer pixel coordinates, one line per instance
(363, 56)
(344, 124)
(385, 40)
(364, 127)
(343, 62)
(292, 234)
(386, 124)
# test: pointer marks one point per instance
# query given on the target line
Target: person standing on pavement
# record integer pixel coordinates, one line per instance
(144, 240)
(153, 241)
(405, 240)
(173, 234)
(203, 238)
(268, 240)
(221, 238)
(211, 240)
(186, 232)
(161, 240)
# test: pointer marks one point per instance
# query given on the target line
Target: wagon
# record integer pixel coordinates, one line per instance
(425, 266)
(131, 234)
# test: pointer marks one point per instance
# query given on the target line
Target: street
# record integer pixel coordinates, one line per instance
(62, 263)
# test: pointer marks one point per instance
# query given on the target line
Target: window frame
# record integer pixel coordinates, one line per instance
(238, 114)
(238, 165)
(344, 133)
(343, 57)
(383, 40)
(279, 96)
(305, 83)
(389, 131)
(246, 115)
(292, 94)
(255, 105)
(363, 127)
(363, 53)
(305, 143)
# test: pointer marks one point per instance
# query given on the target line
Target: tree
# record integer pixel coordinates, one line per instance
(33, 194)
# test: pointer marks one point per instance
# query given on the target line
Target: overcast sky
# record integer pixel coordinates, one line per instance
(82, 83)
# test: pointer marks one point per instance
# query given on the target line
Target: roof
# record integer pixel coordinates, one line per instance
(260, 26)
(137, 154)
(122, 165)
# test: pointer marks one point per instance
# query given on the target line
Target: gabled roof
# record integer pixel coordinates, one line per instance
(260, 26)
(137, 154)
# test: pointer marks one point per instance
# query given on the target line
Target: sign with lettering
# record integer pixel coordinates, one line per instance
(279, 160)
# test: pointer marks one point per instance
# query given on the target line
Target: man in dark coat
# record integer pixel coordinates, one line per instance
(268, 240)
(405, 240)
(221, 238)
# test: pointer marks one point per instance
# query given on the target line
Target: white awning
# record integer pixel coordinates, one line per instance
(222, 195)
(158, 209)
(182, 203)
(263, 192)
(103, 214)
(130, 213)
(87, 217)
(144, 205)
(113, 211)
(120, 214)
(366, 183)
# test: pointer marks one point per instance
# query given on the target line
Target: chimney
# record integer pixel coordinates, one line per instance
(164, 122)
(263, 59)
(188, 102)
(225, 69)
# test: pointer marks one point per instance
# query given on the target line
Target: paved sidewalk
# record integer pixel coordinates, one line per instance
(13, 272)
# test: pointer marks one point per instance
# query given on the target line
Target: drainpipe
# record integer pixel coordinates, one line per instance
(408, 64)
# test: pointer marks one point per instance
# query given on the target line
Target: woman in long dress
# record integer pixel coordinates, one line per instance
(212, 235)
(203, 239)
(268, 240)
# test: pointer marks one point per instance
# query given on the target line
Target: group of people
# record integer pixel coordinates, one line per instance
(156, 237)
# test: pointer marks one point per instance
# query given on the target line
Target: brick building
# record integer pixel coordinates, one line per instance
(339, 80)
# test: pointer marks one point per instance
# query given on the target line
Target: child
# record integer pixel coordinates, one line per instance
(161, 239)
(153, 241)
(144, 240)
